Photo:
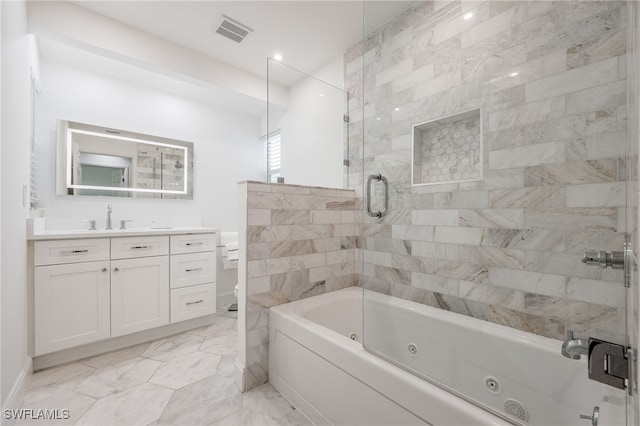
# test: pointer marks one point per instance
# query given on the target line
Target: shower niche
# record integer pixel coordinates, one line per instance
(448, 149)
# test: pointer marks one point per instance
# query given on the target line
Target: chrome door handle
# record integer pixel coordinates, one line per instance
(195, 303)
(380, 213)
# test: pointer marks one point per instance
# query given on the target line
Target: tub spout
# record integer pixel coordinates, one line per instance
(574, 348)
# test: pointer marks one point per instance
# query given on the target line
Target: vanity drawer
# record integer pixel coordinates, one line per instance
(70, 251)
(193, 243)
(193, 302)
(192, 269)
(124, 248)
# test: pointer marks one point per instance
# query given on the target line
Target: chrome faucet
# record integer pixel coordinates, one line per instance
(574, 348)
(109, 211)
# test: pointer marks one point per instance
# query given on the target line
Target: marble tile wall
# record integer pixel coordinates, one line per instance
(300, 241)
(550, 81)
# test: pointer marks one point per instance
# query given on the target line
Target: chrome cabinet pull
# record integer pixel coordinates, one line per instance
(75, 251)
(196, 302)
(380, 213)
(139, 247)
(193, 270)
(199, 243)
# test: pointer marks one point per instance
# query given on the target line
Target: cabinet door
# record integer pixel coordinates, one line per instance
(71, 305)
(139, 294)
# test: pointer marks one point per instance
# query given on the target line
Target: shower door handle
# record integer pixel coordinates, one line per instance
(380, 213)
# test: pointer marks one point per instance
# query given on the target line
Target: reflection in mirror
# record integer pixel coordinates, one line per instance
(94, 160)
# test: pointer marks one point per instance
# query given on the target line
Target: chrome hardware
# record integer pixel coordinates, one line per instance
(193, 270)
(615, 259)
(345, 118)
(92, 224)
(378, 214)
(345, 163)
(280, 179)
(593, 417)
(195, 303)
(109, 211)
(608, 363)
(75, 251)
(116, 269)
(139, 247)
(199, 243)
(574, 348)
(123, 223)
(104, 269)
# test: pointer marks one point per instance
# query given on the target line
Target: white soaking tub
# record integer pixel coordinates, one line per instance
(317, 362)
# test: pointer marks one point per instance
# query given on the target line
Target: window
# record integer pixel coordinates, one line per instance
(273, 156)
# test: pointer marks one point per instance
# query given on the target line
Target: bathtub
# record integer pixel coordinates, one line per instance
(317, 361)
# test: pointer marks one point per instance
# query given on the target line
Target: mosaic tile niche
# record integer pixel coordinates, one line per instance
(448, 150)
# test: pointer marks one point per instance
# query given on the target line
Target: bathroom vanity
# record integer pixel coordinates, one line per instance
(99, 285)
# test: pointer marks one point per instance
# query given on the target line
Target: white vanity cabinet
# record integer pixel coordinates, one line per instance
(72, 296)
(92, 289)
(139, 285)
(193, 276)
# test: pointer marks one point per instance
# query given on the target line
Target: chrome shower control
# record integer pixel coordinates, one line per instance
(593, 417)
(601, 258)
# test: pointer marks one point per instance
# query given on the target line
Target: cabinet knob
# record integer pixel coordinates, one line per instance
(104, 269)
(116, 269)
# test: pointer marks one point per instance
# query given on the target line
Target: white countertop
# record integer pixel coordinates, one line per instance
(64, 234)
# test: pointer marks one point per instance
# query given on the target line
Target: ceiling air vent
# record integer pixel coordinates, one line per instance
(232, 29)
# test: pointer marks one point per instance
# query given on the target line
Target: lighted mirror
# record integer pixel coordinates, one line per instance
(94, 160)
(448, 149)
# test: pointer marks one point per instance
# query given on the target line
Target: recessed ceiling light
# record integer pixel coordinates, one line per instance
(396, 109)
(467, 16)
(378, 118)
(277, 56)
(321, 95)
(514, 74)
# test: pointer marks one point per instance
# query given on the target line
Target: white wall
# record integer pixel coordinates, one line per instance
(14, 157)
(227, 145)
(312, 130)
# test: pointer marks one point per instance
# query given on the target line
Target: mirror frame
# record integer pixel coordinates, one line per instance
(64, 172)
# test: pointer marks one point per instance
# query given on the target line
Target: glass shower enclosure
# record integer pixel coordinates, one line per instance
(505, 132)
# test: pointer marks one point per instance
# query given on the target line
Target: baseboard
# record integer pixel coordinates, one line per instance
(115, 343)
(14, 400)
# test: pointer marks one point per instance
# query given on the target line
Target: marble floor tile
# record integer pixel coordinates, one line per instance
(140, 405)
(114, 357)
(203, 402)
(221, 325)
(75, 403)
(223, 344)
(267, 400)
(173, 347)
(185, 370)
(58, 374)
(62, 386)
(118, 377)
(187, 379)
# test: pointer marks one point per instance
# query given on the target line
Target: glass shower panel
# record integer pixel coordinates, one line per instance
(501, 128)
(311, 117)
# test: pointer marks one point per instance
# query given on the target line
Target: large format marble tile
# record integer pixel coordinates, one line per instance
(266, 400)
(62, 386)
(223, 344)
(74, 404)
(185, 370)
(58, 374)
(136, 406)
(221, 325)
(203, 402)
(114, 357)
(172, 347)
(118, 377)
